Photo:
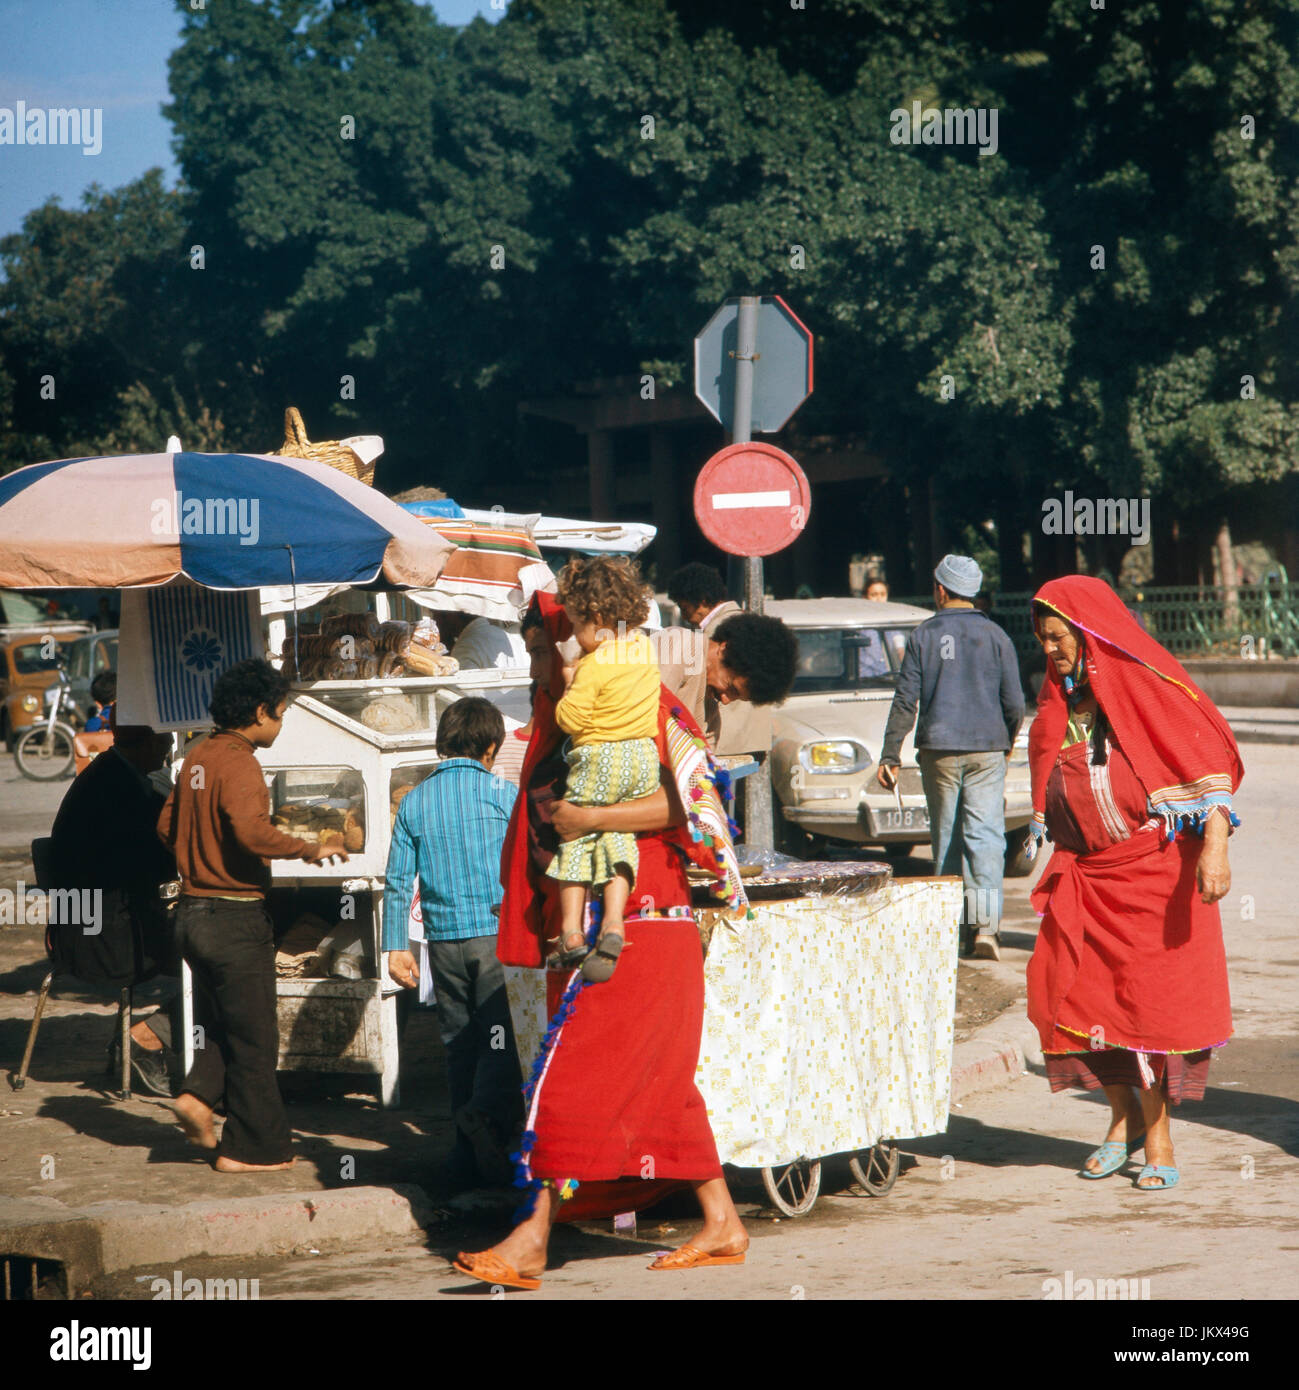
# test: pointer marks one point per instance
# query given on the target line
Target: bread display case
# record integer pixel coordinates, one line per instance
(347, 752)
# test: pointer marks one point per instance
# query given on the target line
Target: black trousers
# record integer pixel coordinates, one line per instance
(477, 1033)
(230, 949)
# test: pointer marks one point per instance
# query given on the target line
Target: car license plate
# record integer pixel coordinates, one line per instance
(908, 818)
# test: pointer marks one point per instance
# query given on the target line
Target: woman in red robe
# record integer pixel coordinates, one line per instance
(612, 1096)
(1133, 773)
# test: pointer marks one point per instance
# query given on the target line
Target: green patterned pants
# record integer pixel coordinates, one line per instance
(603, 774)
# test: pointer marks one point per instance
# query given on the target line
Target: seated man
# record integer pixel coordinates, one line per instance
(103, 838)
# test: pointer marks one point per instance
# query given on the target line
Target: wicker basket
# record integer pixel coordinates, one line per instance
(337, 453)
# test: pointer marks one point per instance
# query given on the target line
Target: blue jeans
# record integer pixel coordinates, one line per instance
(965, 793)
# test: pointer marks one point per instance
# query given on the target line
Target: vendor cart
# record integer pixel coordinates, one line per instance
(328, 766)
(828, 1024)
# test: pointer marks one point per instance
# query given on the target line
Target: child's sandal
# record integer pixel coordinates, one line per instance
(599, 966)
(568, 958)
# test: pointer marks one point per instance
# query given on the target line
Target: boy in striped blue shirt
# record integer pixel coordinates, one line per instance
(449, 831)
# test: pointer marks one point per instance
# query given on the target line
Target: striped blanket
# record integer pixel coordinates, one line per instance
(710, 829)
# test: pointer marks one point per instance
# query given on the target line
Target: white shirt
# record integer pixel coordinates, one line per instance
(484, 644)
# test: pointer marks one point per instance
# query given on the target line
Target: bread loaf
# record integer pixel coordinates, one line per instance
(419, 661)
(390, 714)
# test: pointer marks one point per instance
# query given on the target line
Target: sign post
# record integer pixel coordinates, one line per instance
(762, 398)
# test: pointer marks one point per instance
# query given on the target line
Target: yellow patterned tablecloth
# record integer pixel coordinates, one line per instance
(827, 1023)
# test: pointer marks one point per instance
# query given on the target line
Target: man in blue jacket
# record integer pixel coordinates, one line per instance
(960, 668)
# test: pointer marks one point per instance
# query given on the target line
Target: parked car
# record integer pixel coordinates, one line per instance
(829, 733)
(88, 657)
(28, 664)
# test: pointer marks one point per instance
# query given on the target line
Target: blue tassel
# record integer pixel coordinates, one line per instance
(522, 1160)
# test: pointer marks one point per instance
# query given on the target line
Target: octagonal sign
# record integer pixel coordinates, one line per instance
(782, 368)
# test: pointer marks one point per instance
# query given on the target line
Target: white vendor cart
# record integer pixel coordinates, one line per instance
(326, 753)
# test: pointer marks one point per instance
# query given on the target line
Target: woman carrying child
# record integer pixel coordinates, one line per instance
(613, 1108)
(610, 713)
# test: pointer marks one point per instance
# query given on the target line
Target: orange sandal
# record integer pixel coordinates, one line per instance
(491, 1269)
(687, 1257)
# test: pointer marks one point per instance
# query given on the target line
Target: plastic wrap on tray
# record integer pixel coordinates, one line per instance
(775, 876)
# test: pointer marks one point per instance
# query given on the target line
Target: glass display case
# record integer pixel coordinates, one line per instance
(347, 752)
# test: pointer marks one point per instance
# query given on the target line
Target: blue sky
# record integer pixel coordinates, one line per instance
(100, 53)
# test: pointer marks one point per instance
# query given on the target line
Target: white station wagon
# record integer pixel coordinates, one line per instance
(829, 733)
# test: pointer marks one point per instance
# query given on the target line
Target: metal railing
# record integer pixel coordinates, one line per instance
(1260, 622)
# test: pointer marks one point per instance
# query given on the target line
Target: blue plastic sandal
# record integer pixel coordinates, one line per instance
(1151, 1170)
(1112, 1155)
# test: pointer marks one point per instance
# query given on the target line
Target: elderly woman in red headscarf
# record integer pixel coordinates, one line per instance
(612, 1105)
(1133, 773)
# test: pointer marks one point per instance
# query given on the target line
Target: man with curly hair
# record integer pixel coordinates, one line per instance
(736, 659)
(738, 725)
(217, 822)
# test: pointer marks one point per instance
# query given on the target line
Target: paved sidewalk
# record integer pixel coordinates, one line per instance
(106, 1186)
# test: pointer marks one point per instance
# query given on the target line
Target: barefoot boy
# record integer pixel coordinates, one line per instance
(217, 822)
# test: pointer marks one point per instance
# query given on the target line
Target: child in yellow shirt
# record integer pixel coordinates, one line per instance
(610, 713)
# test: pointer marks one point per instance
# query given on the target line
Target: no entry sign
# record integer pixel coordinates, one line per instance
(752, 499)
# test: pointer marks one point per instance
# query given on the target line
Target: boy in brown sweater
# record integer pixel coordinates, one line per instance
(217, 823)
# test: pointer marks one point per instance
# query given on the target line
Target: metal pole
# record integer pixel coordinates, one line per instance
(758, 832)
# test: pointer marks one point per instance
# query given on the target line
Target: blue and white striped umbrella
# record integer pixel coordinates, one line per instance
(227, 521)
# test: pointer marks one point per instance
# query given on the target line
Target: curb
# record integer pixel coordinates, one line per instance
(1263, 736)
(108, 1237)
(996, 1055)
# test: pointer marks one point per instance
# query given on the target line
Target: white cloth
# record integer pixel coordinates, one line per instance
(176, 639)
(826, 1049)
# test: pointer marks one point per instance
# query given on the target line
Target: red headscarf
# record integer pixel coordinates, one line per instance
(1176, 740)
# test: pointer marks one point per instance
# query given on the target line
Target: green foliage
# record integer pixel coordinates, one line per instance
(350, 169)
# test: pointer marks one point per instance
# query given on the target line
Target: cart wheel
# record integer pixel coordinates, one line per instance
(876, 1170)
(793, 1187)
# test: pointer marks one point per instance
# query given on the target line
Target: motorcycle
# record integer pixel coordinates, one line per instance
(45, 751)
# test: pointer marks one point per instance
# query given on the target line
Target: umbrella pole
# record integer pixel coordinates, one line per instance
(293, 580)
